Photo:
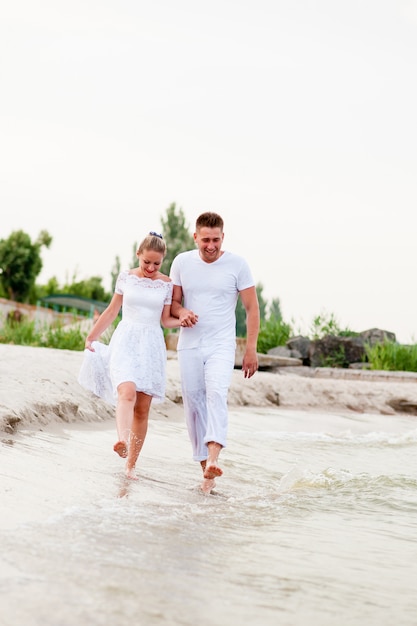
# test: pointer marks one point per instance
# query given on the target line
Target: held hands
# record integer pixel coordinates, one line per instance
(249, 363)
(188, 318)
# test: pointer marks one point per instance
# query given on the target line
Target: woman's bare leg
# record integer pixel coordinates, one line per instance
(138, 431)
(126, 398)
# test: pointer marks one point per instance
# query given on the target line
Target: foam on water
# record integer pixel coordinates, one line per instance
(347, 437)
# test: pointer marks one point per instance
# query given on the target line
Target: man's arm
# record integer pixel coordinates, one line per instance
(250, 302)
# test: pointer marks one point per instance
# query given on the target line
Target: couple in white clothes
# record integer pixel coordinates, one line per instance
(200, 297)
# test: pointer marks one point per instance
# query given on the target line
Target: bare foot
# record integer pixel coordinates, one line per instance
(207, 485)
(212, 470)
(121, 448)
(131, 473)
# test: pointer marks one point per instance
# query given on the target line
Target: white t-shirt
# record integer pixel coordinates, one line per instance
(211, 291)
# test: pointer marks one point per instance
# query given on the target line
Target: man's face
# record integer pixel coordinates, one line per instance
(209, 242)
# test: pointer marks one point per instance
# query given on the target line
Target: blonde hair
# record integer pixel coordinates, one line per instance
(153, 241)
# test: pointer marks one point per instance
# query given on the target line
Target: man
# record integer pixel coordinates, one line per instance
(207, 283)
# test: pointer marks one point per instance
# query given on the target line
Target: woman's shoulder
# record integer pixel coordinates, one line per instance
(124, 273)
(164, 278)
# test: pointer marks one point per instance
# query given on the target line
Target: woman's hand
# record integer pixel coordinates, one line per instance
(188, 318)
(89, 345)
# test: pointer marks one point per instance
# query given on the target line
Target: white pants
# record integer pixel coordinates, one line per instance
(205, 379)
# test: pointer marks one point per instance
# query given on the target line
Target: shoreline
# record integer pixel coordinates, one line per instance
(40, 387)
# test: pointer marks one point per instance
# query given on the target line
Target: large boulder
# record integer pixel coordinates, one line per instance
(376, 335)
(335, 351)
(282, 351)
(301, 346)
(338, 351)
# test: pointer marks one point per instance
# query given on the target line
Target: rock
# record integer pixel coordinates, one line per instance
(301, 345)
(403, 406)
(266, 361)
(336, 351)
(273, 397)
(376, 335)
(329, 351)
(285, 352)
(269, 361)
(280, 351)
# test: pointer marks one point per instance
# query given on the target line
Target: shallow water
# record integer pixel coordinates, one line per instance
(313, 522)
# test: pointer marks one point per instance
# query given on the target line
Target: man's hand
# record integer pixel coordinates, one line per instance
(188, 318)
(249, 363)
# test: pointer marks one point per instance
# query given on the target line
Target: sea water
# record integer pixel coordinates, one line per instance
(314, 522)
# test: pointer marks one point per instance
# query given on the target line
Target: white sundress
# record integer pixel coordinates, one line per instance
(136, 351)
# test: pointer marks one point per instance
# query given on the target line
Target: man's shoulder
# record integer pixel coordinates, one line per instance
(232, 257)
(184, 255)
(181, 262)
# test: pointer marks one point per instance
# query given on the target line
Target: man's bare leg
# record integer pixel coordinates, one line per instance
(138, 432)
(208, 483)
(212, 468)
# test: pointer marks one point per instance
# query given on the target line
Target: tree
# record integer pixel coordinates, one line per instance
(176, 234)
(21, 263)
(90, 288)
(115, 272)
(135, 260)
(42, 291)
(275, 310)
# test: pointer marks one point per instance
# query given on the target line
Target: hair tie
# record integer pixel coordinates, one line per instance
(152, 232)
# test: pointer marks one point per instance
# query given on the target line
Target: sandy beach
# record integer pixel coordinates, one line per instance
(39, 387)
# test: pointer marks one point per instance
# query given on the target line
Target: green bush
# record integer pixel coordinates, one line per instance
(327, 324)
(22, 333)
(273, 332)
(31, 333)
(57, 335)
(392, 357)
(64, 338)
(337, 358)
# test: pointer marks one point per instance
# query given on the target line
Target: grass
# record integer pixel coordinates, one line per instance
(393, 357)
(33, 333)
(388, 356)
(273, 333)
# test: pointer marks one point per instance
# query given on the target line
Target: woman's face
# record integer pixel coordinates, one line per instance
(150, 262)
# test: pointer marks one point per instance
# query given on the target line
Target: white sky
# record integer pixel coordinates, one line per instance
(296, 121)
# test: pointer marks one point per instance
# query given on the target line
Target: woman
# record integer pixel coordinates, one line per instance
(130, 372)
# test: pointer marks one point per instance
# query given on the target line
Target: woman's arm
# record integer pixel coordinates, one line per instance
(106, 318)
(186, 317)
(167, 320)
